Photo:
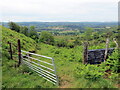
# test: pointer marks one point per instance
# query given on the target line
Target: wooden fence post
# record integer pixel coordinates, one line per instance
(116, 43)
(10, 50)
(19, 53)
(106, 50)
(85, 53)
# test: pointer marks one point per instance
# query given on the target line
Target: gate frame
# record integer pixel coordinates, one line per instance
(53, 64)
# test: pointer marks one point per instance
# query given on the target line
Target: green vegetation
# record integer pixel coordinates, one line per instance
(14, 26)
(47, 38)
(28, 31)
(99, 74)
(18, 77)
(67, 50)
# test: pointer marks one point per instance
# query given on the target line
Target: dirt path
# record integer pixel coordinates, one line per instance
(65, 81)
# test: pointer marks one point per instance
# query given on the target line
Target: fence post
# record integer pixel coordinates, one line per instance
(116, 43)
(55, 71)
(10, 51)
(85, 53)
(106, 50)
(19, 53)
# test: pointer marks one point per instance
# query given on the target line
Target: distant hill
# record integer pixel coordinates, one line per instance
(80, 25)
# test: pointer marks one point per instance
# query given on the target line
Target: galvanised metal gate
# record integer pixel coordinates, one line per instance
(44, 68)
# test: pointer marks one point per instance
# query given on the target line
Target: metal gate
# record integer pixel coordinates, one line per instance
(44, 68)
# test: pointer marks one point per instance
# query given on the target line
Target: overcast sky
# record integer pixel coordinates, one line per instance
(59, 10)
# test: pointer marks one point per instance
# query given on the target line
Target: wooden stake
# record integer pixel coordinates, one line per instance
(10, 51)
(106, 50)
(85, 53)
(19, 53)
(116, 43)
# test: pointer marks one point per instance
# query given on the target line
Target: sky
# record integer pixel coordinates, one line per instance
(59, 10)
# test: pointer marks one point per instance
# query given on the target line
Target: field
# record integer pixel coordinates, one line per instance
(67, 51)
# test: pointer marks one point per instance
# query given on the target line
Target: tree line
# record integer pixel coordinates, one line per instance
(27, 31)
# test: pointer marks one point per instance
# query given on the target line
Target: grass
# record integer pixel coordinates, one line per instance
(19, 77)
(65, 61)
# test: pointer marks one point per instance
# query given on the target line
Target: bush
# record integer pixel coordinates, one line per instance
(70, 45)
(61, 43)
(91, 72)
(77, 41)
(113, 62)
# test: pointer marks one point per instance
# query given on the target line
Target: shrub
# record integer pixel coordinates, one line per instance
(91, 72)
(70, 45)
(113, 61)
(61, 43)
(77, 41)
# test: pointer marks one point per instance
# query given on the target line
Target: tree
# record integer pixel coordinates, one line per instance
(14, 26)
(33, 34)
(32, 28)
(47, 38)
(24, 30)
(88, 34)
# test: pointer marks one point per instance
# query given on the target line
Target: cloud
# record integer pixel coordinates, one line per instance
(58, 10)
